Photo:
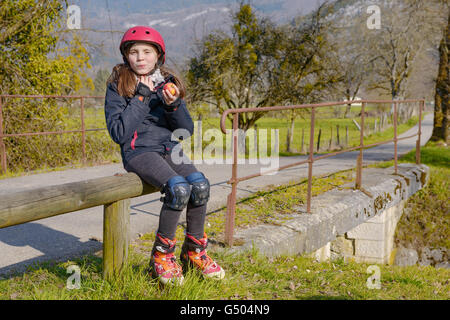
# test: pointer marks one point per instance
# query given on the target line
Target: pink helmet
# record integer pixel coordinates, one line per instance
(145, 34)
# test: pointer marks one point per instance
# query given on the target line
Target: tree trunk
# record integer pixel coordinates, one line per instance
(337, 135)
(349, 106)
(441, 108)
(318, 139)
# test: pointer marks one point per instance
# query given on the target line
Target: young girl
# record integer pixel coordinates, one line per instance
(141, 114)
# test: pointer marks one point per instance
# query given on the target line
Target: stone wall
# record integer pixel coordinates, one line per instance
(372, 241)
(344, 222)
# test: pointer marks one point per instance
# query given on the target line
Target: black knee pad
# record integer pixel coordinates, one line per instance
(200, 188)
(177, 192)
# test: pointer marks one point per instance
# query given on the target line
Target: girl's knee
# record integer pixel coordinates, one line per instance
(200, 188)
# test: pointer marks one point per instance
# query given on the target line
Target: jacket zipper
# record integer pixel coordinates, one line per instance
(134, 140)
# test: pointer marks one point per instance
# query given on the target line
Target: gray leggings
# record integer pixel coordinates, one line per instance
(156, 169)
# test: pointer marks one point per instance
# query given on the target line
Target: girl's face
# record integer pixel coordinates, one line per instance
(142, 58)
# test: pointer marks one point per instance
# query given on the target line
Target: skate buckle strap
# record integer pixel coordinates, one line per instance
(203, 242)
(167, 242)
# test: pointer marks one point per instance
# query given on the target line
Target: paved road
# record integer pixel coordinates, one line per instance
(65, 236)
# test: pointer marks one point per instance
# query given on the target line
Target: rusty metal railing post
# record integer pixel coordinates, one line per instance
(2, 143)
(83, 132)
(419, 133)
(359, 160)
(231, 201)
(310, 160)
(395, 138)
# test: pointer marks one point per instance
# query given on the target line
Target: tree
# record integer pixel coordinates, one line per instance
(441, 102)
(437, 14)
(230, 72)
(395, 47)
(37, 57)
(349, 57)
(302, 71)
(260, 65)
(100, 79)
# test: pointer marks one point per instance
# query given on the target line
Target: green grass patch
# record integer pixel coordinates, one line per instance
(328, 128)
(273, 205)
(249, 275)
(425, 219)
(45, 153)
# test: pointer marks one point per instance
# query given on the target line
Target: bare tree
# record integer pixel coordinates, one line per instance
(395, 46)
(349, 58)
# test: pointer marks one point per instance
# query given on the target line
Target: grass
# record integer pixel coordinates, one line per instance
(273, 205)
(425, 221)
(327, 126)
(249, 275)
(253, 276)
(326, 121)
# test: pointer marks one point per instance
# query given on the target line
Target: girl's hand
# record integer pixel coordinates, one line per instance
(170, 98)
(147, 81)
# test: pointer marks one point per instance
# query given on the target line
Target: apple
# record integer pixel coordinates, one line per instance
(170, 87)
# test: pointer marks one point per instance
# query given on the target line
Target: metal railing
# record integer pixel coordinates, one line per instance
(231, 200)
(83, 130)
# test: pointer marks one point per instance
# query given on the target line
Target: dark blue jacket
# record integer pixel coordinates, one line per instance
(138, 127)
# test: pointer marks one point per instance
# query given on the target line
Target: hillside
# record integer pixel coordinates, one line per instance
(180, 22)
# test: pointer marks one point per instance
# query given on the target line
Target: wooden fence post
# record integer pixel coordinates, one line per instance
(302, 150)
(318, 139)
(346, 136)
(4, 164)
(116, 226)
(337, 136)
(256, 140)
(83, 133)
(331, 139)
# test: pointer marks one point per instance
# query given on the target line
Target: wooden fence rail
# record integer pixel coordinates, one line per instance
(113, 193)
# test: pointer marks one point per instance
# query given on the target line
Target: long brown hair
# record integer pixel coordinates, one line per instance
(125, 78)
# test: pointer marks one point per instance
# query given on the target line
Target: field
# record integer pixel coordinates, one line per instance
(425, 222)
(327, 120)
(26, 155)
